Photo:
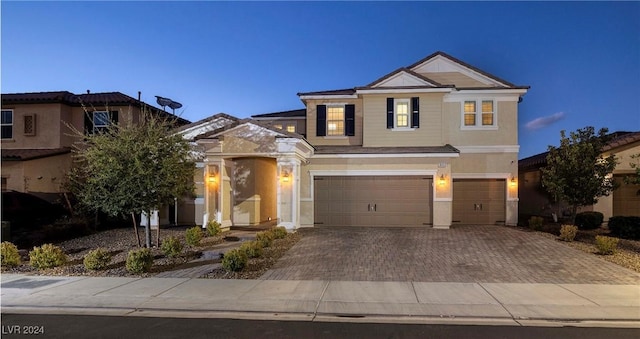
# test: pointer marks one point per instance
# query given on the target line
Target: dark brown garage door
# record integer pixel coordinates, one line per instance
(478, 201)
(626, 199)
(372, 201)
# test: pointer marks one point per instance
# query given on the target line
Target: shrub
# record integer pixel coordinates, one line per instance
(589, 220)
(234, 260)
(47, 256)
(279, 232)
(10, 256)
(568, 232)
(606, 245)
(139, 261)
(171, 247)
(193, 236)
(253, 249)
(265, 238)
(625, 227)
(213, 228)
(97, 259)
(535, 223)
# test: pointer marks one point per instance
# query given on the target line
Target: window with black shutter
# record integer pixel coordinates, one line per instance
(390, 112)
(350, 120)
(415, 112)
(321, 120)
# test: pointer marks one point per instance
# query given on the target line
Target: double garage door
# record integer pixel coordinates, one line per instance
(373, 201)
(404, 201)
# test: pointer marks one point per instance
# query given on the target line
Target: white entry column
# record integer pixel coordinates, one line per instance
(288, 192)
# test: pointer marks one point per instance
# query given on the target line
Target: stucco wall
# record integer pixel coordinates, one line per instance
(334, 140)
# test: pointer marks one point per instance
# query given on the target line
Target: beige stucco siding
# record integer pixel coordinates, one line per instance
(375, 122)
(48, 127)
(254, 190)
(333, 140)
(506, 132)
(44, 175)
(454, 78)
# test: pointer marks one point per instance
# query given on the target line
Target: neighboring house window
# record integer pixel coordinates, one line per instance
(7, 124)
(291, 128)
(30, 124)
(484, 117)
(99, 121)
(278, 126)
(403, 113)
(335, 120)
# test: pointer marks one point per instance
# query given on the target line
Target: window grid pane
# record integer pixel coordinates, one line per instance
(335, 120)
(7, 124)
(487, 107)
(487, 113)
(291, 128)
(402, 114)
(487, 119)
(469, 106)
(469, 119)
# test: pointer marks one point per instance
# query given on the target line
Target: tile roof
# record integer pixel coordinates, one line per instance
(30, 154)
(346, 91)
(384, 150)
(620, 139)
(77, 100)
(284, 114)
(408, 71)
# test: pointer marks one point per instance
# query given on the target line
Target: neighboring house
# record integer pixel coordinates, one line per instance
(431, 144)
(36, 143)
(624, 201)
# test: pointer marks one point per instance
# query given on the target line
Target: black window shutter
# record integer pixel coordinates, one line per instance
(321, 120)
(113, 117)
(389, 112)
(350, 120)
(415, 112)
(88, 122)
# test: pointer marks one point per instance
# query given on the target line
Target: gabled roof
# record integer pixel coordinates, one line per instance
(215, 122)
(87, 99)
(405, 75)
(464, 64)
(284, 114)
(30, 154)
(620, 139)
(410, 78)
(278, 132)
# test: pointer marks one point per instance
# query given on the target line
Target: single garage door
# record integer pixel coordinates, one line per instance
(479, 201)
(372, 201)
(626, 199)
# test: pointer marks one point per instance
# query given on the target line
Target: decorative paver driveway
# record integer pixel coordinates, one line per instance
(461, 254)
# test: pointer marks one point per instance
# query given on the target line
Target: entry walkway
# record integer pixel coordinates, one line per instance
(471, 254)
(424, 302)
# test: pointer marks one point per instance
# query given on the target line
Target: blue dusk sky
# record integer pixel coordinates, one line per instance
(581, 59)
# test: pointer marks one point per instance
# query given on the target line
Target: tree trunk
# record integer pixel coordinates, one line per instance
(574, 211)
(147, 231)
(135, 228)
(158, 237)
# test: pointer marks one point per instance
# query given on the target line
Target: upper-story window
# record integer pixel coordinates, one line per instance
(6, 124)
(291, 128)
(335, 120)
(99, 121)
(478, 114)
(403, 113)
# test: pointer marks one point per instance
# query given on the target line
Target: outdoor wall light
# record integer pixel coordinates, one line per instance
(442, 180)
(285, 176)
(513, 181)
(212, 179)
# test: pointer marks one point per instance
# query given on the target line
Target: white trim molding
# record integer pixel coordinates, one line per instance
(383, 90)
(480, 175)
(386, 155)
(328, 96)
(489, 149)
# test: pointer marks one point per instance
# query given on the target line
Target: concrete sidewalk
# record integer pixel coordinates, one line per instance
(361, 301)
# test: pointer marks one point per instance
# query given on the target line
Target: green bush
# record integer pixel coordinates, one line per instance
(265, 238)
(606, 245)
(213, 228)
(10, 256)
(589, 220)
(279, 232)
(97, 259)
(234, 260)
(139, 261)
(535, 223)
(193, 236)
(625, 227)
(568, 232)
(253, 249)
(171, 247)
(47, 256)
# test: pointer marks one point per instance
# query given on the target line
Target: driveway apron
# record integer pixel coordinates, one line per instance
(497, 254)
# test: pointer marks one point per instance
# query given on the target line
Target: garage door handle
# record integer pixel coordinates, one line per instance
(375, 207)
(369, 207)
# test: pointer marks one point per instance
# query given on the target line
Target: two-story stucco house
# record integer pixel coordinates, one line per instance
(433, 144)
(36, 142)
